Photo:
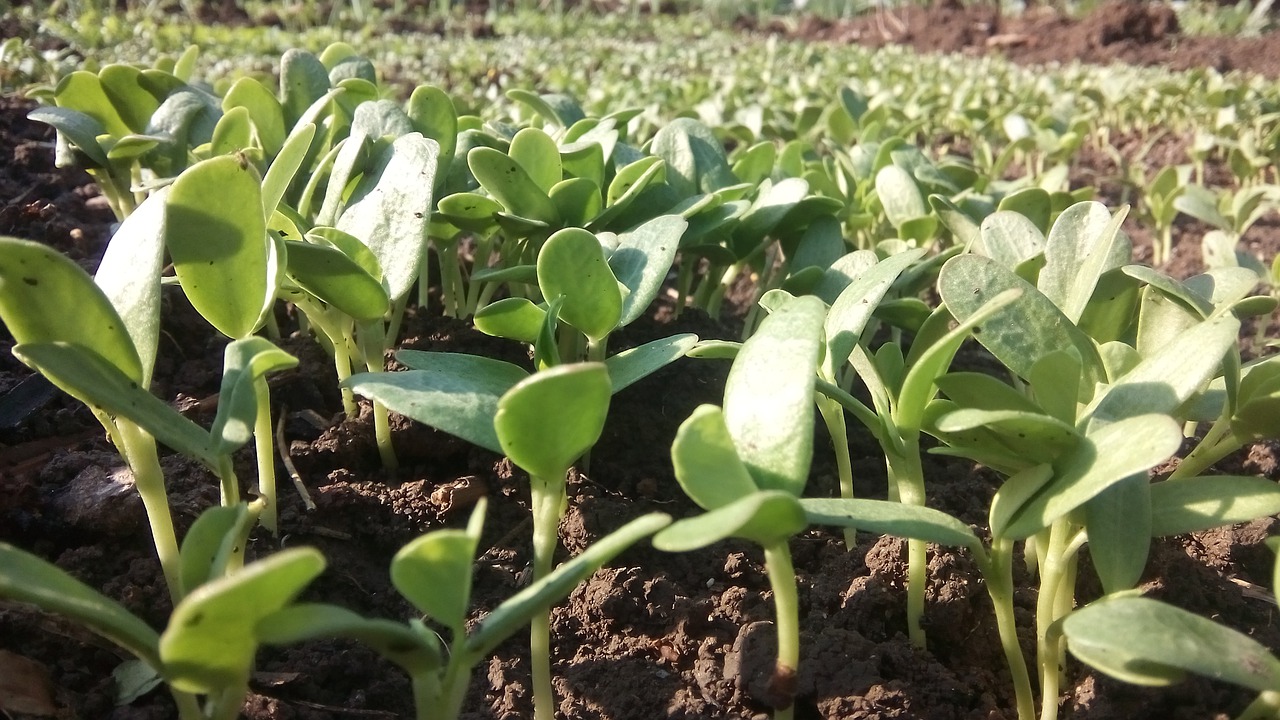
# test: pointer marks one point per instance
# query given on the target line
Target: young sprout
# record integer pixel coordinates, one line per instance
(434, 573)
(209, 644)
(747, 464)
(544, 423)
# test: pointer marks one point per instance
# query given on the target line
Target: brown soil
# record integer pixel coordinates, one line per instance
(654, 635)
(1118, 31)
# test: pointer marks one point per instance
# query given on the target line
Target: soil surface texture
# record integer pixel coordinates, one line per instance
(653, 635)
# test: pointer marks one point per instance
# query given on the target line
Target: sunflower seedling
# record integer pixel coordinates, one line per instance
(434, 573)
(208, 647)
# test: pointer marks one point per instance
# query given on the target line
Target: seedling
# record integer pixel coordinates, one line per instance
(208, 647)
(1148, 642)
(434, 573)
(747, 464)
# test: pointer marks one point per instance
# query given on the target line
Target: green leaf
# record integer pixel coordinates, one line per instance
(764, 517)
(211, 638)
(978, 391)
(390, 209)
(918, 388)
(131, 100)
(642, 260)
(695, 160)
(129, 275)
(1118, 521)
(88, 377)
(1032, 435)
(577, 200)
(892, 518)
(434, 572)
(219, 250)
(29, 579)
(78, 128)
(1148, 642)
(303, 81)
(233, 133)
(1023, 332)
(572, 265)
(853, 308)
(1186, 505)
(1032, 203)
(1020, 488)
(508, 182)
(516, 612)
(768, 396)
(210, 542)
(538, 154)
(514, 318)
(285, 167)
(327, 273)
(265, 113)
(81, 90)
(455, 393)
(900, 195)
(707, 463)
(433, 114)
(1164, 379)
(550, 419)
(1105, 457)
(246, 362)
(634, 364)
(470, 211)
(1010, 239)
(417, 652)
(1083, 244)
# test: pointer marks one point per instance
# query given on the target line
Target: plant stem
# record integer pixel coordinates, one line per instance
(786, 606)
(547, 497)
(1266, 705)
(264, 445)
(907, 476)
(833, 416)
(1048, 651)
(426, 695)
(188, 705)
(226, 704)
(998, 572)
(139, 451)
(373, 344)
(456, 679)
(1218, 442)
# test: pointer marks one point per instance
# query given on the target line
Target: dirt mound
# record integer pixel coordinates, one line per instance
(1117, 31)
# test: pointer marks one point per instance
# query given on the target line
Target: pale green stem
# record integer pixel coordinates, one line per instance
(596, 349)
(786, 606)
(188, 705)
(225, 705)
(484, 253)
(1267, 705)
(342, 366)
(229, 486)
(426, 695)
(373, 345)
(1053, 572)
(264, 444)
(392, 331)
(456, 679)
(833, 416)
(1218, 443)
(907, 477)
(139, 450)
(547, 496)
(998, 572)
(424, 280)
(684, 284)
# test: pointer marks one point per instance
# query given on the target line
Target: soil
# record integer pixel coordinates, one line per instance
(653, 635)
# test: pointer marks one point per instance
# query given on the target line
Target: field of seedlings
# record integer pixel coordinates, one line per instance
(639, 360)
